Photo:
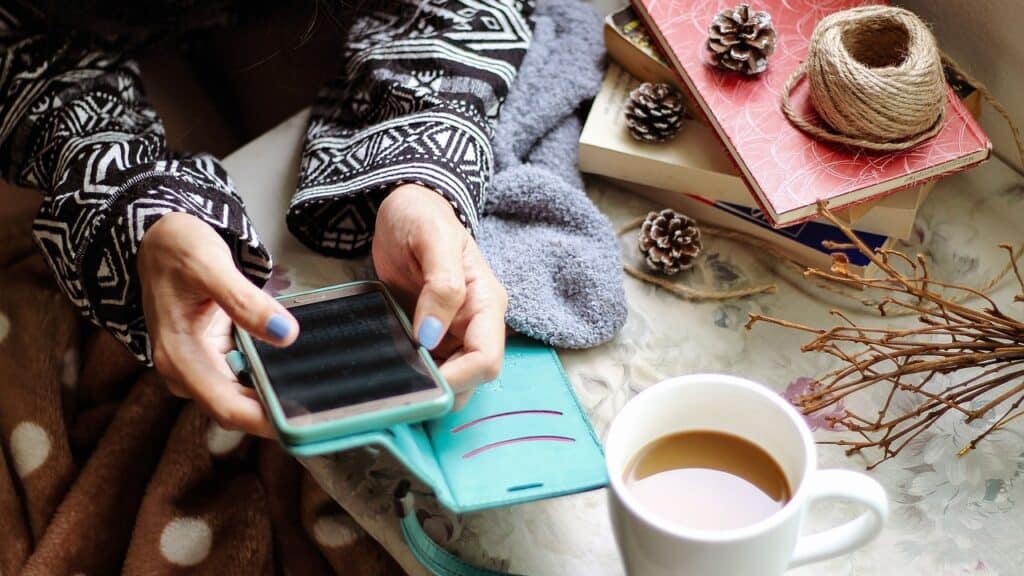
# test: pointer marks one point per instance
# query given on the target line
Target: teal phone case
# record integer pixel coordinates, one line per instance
(520, 438)
(295, 436)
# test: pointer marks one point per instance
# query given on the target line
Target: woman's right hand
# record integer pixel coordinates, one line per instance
(191, 293)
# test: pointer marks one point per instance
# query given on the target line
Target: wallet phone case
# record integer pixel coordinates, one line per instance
(520, 438)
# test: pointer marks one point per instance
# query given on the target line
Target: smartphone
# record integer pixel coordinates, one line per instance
(355, 367)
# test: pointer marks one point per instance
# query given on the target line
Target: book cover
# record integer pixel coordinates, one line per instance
(691, 162)
(812, 235)
(694, 163)
(788, 171)
(802, 242)
(630, 46)
(626, 23)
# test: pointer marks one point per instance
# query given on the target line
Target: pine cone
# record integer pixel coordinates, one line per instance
(670, 241)
(741, 40)
(654, 112)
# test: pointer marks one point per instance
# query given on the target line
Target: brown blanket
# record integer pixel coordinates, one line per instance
(103, 471)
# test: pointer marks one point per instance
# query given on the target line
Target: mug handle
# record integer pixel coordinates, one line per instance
(831, 484)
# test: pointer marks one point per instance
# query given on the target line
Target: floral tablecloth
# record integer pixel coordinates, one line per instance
(950, 515)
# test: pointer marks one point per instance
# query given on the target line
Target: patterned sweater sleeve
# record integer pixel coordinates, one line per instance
(75, 124)
(422, 84)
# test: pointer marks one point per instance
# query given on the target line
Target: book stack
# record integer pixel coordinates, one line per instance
(766, 185)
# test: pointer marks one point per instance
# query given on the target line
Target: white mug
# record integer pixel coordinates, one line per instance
(653, 546)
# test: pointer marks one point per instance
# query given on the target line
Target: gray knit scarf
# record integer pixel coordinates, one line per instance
(546, 241)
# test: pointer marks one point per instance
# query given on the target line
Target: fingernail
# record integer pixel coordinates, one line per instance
(278, 327)
(430, 333)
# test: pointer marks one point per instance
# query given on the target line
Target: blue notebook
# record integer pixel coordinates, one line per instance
(811, 234)
(520, 438)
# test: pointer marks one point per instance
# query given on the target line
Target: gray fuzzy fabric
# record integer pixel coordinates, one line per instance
(554, 251)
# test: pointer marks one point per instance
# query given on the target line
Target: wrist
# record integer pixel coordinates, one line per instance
(419, 195)
(159, 235)
(173, 240)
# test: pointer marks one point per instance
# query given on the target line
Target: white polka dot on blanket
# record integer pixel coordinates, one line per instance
(5, 326)
(335, 530)
(221, 441)
(30, 447)
(186, 541)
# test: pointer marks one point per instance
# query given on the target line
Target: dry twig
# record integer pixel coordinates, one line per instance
(950, 336)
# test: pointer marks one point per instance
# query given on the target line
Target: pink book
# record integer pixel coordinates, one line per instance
(788, 171)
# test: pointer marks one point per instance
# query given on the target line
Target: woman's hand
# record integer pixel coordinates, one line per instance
(425, 255)
(191, 291)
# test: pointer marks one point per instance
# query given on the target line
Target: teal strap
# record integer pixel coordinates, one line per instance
(433, 557)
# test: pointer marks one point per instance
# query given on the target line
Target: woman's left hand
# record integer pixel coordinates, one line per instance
(425, 255)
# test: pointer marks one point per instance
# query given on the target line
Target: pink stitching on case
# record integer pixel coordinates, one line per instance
(500, 443)
(471, 423)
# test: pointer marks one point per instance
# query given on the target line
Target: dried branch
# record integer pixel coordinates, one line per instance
(1016, 272)
(950, 337)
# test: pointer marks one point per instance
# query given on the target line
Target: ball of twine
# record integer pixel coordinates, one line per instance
(876, 80)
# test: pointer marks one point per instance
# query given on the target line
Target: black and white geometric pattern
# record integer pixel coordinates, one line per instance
(75, 124)
(422, 83)
(421, 87)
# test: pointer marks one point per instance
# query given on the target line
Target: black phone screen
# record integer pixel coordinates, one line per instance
(350, 350)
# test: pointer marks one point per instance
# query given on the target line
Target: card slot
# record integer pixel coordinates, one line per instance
(531, 381)
(482, 419)
(500, 429)
(518, 440)
(485, 406)
(522, 487)
(518, 469)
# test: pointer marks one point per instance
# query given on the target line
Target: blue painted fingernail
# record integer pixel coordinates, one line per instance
(430, 333)
(278, 327)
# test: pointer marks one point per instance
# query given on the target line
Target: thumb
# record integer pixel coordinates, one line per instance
(444, 287)
(249, 307)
